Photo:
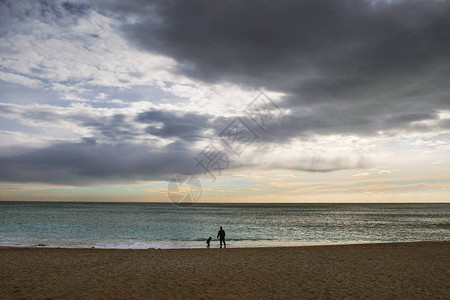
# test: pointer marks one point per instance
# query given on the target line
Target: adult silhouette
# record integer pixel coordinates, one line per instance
(221, 235)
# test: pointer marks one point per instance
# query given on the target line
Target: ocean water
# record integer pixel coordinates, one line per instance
(156, 225)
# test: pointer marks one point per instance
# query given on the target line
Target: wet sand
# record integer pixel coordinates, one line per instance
(377, 271)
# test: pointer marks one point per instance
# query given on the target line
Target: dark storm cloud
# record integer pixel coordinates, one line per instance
(188, 127)
(359, 119)
(114, 159)
(115, 127)
(88, 163)
(332, 44)
(374, 57)
(346, 67)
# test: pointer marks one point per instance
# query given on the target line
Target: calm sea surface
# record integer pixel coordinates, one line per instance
(150, 225)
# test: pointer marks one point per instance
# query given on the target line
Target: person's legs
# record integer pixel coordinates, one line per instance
(224, 244)
(221, 243)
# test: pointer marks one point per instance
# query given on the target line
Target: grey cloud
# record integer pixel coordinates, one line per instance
(321, 164)
(347, 119)
(76, 8)
(344, 42)
(118, 127)
(89, 140)
(324, 118)
(320, 53)
(87, 163)
(188, 127)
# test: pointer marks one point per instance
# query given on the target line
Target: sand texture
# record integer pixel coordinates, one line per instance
(377, 271)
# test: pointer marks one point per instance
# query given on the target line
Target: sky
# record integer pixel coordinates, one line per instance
(225, 101)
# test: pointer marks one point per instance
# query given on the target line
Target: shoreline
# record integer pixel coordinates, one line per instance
(381, 270)
(42, 246)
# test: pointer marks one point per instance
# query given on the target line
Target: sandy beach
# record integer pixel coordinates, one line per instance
(381, 271)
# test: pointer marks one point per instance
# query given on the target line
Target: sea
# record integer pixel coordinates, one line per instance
(164, 225)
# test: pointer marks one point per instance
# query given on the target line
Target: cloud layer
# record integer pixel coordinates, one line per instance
(373, 65)
(135, 83)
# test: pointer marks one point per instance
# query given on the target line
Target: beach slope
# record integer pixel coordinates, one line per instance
(397, 270)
